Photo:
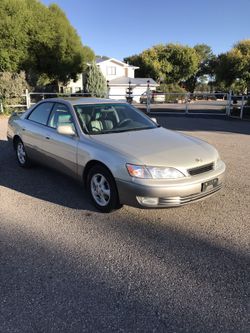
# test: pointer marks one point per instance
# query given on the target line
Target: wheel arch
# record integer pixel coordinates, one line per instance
(90, 165)
(16, 138)
(94, 163)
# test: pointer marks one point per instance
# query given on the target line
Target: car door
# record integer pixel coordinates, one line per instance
(61, 150)
(33, 130)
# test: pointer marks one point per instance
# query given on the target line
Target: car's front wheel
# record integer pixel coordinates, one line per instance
(102, 189)
(21, 154)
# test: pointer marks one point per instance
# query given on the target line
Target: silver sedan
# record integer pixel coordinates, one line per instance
(121, 155)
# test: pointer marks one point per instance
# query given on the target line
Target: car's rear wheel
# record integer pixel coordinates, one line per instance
(21, 154)
(102, 189)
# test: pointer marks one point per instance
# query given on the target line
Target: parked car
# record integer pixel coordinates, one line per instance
(120, 154)
(155, 97)
(220, 95)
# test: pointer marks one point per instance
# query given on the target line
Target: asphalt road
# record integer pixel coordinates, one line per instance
(66, 268)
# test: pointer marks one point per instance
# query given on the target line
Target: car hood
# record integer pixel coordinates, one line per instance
(161, 147)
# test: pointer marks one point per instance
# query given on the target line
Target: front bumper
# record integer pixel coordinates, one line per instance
(170, 193)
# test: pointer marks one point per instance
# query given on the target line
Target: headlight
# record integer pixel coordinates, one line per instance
(165, 173)
(141, 171)
(138, 171)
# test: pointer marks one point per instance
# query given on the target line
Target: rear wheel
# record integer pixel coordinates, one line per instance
(21, 154)
(102, 189)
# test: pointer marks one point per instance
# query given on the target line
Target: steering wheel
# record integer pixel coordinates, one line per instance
(124, 122)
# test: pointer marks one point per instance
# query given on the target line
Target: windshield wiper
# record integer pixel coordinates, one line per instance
(128, 130)
(122, 130)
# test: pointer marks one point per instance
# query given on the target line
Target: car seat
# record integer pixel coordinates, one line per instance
(95, 126)
(85, 119)
(102, 117)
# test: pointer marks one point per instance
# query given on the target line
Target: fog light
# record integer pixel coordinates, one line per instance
(148, 201)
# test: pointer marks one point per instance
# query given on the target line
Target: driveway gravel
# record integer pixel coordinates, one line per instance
(64, 267)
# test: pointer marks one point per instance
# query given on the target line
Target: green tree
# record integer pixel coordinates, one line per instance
(95, 83)
(170, 63)
(14, 34)
(41, 41)
(205, 67)
(233, 67)
(144, 69)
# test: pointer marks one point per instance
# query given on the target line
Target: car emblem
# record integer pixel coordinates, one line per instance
(198, 160)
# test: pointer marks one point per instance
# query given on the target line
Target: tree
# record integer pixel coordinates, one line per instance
(41, 41)
(233, 68)
(95, 83)
(56, 48)
(205, 67)
(14, 34)
(170, 63)
(144, 69)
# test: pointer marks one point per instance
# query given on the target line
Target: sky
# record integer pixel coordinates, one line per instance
(118, 29)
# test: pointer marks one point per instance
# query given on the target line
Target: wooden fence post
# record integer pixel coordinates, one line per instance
(229, 100)
(27, 97)
(187, 97)
(1, 107)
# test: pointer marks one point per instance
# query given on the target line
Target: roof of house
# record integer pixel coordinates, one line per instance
(98, 60)
(133, 81)
(124, 64)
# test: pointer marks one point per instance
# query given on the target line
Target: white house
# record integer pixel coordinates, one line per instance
(120, 77)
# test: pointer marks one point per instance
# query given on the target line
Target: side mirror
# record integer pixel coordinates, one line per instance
(66, 130)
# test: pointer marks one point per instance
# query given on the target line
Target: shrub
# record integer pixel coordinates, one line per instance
(12, 86)
(176, 93)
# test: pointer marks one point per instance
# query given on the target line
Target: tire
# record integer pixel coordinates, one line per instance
(102, 189)
(21, 154)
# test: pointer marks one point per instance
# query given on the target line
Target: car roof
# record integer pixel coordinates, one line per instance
(84, 100)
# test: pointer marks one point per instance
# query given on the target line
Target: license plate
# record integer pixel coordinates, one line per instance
(209, 185)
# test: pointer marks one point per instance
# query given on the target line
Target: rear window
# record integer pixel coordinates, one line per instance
(41, 113)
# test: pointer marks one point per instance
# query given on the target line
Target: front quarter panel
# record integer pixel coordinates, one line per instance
(89, 150)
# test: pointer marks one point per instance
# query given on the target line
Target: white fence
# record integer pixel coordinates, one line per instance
(173, 103)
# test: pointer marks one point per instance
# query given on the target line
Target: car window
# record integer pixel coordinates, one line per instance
(41, 113)
(60, 115)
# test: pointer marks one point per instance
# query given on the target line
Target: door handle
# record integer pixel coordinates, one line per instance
(47, 137)
(23, 129)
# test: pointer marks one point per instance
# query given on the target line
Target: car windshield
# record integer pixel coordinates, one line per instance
(111, 118)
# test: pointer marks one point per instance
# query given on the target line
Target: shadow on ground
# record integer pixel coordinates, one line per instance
(40, 182)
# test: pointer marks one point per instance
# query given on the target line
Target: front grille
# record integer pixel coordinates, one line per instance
(201, 169)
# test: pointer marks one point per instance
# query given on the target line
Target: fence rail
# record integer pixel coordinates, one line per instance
(226, 104)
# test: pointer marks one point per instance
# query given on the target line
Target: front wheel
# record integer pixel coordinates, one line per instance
(21, 154)
(102, 189)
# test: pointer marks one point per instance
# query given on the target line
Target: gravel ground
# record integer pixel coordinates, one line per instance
(66, 268)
